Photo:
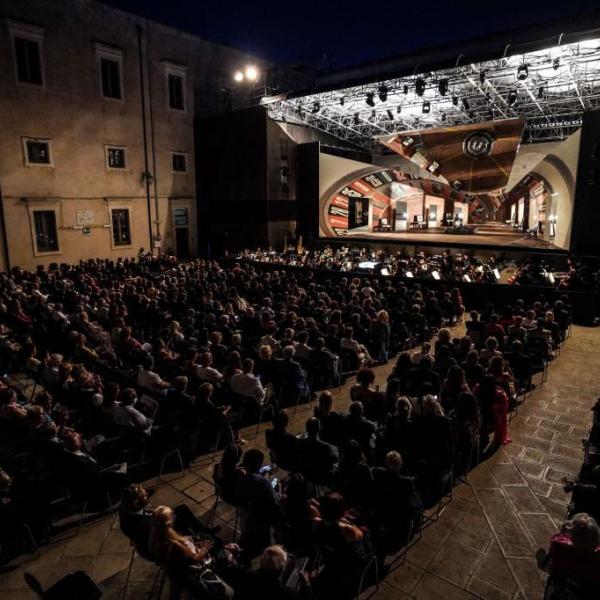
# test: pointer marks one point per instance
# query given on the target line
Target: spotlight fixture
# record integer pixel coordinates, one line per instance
(420, 86)
(316, 107)
(383, 93)
(390, 114)
(443, 86)
(239, 76)
(299, 108)
(342, 101)
(465, 103)
(443, 118)
(399, 108)
(370, 101)
(251, 73)
(455, 100)
(512, 97)
(556, 63)
(522, 72)
(356, 119)
(405, 89)
(541, 92)
(426, 107)
(482, 75)
(373, 115)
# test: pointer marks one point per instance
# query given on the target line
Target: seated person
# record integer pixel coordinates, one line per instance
(366, 392)
(264, 582)
(291, 375)
(318, 459)
(396, 500)
(180, 554)
(346, 549)
(282, 444)
(227, 473)
(332, 423)
(127, 416)
(574, 558)
(148, 379)
(359, 428)
(246, 384)
(216, 418)
(205, 371)
(258, 497)
(136, 515)
(517, 331)
(179, 404)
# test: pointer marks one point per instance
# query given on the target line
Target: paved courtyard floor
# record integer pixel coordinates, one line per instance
(483, 544)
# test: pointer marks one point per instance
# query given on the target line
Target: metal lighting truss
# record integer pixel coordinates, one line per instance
(549, 88)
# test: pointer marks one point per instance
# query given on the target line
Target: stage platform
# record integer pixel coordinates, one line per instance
(487, 235)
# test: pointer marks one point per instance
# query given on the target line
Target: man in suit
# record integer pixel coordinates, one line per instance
(290, 374)
(318, 459)
(179, 403)
(261, 502)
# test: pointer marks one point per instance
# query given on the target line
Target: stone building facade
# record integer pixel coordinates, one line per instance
(97, 112)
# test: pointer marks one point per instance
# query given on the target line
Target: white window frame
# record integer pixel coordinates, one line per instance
(186, 156)
(108, 147)
(112, 233)
(26, 162)
(33, 208)
(31, 33)
(116, 55)
(178, 71)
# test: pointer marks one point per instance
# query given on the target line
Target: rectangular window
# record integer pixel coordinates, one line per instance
(37, 152)
(180, 217)
(28, 60)
(179, 161)
(176, 90)
(120, 227)
(116, 157)
(46, 235)
(110, 71)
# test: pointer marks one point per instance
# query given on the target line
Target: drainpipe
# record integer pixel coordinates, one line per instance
(147, 176)
(3, 232)
(152, 140)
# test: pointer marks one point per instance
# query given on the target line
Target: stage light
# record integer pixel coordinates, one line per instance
(316, 107)
(522, 72)
(444, 117)
(541, 92)
(512, 97)
(356, 119)
(383, 93)
(482, 75)
(239, 76)
(251, 73)
(369, 99)
(455, 100)
(465, 103)
(443, 86)
(405, 89)
(420, 86)
(299, 108)
(556, 64)
(457, 185)
(426, 107)
(342, 101)
(390, 115)
(399, 108)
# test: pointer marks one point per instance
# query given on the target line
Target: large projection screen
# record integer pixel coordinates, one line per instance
(516, 196)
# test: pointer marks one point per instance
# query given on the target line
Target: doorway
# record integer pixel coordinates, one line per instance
(181, 225)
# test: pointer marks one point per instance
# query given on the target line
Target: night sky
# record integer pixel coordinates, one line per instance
(326, 34)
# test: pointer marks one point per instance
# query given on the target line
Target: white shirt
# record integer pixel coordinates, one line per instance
(208, 374)
(249, 385)
(149, 379)
(130, 417)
